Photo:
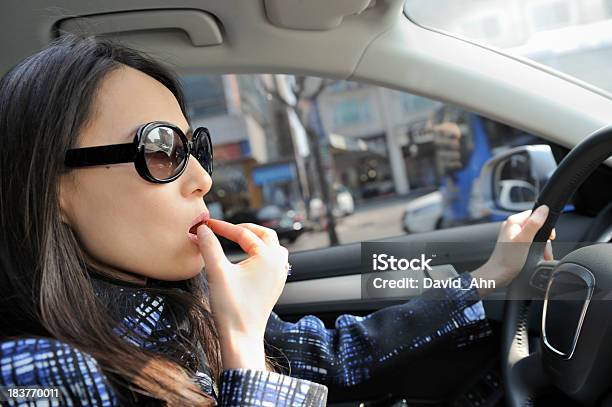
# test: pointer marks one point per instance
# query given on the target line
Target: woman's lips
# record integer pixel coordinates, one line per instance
(197, 221)
(194, 229)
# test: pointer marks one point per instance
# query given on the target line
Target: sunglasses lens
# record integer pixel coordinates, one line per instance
(165, 153)
(203, 150)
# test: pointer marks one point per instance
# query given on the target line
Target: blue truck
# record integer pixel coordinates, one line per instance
(462, 142)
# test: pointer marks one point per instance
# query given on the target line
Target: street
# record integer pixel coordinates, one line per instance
(379, 218)
(369, 221)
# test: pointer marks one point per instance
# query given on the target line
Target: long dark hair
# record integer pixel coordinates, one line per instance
(45, 283)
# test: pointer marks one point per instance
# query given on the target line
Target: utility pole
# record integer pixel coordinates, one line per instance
(315, 142)
(302, 101)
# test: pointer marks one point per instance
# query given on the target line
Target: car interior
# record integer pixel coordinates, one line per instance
(373, 42)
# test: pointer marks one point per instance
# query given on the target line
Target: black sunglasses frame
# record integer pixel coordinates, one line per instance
(135, 152)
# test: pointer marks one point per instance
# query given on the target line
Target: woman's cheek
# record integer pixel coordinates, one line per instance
(183, 262)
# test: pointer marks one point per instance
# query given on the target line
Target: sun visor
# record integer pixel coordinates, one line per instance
(200, 27)
(313, 14)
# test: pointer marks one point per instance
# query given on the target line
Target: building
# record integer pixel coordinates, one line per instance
(367, 127)
(253, 150)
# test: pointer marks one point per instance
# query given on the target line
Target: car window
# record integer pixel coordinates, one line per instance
(391, 162)
(571, 36)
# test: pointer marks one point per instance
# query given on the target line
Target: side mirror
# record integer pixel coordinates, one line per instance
(512, 180)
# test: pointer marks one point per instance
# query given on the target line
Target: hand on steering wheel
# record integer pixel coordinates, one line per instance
(529, 372)
(512, 247)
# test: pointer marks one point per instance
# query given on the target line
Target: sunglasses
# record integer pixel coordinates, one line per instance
(160, 152)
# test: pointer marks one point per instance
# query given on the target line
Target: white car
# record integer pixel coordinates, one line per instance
(423, 214)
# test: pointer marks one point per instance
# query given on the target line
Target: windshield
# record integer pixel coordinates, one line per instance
(571, 36)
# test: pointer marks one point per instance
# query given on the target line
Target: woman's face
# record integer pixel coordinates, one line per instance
(122, 221)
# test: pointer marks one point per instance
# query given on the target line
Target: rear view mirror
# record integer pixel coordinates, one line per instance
(511, 181)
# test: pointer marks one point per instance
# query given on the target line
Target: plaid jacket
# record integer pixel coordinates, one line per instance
(315, 357)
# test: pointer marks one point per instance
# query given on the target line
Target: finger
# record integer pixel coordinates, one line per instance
(211, 249)
(519, 218)
(548, 251)
(553, 234)
(268, 235)
(247, 240)
(541, 207)
(284, 254)
(533, 224)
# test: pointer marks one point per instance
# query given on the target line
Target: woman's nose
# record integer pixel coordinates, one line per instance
(198, 179)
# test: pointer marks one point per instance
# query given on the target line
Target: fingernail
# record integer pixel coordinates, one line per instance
(203, 230)
(542, 211)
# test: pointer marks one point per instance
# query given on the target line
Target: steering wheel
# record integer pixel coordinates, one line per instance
(575, 355)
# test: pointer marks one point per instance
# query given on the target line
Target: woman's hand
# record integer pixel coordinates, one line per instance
(242, 295)
(512, 248)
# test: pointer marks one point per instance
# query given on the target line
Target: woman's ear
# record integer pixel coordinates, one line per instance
(63, 193)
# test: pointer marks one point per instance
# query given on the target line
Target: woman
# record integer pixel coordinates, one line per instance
(102, 287)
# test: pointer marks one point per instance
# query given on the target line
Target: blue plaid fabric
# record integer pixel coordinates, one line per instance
(314, 357)
(359, 348)
(46, 362)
